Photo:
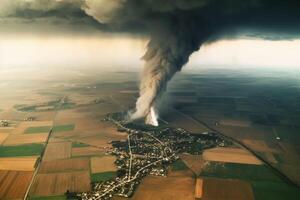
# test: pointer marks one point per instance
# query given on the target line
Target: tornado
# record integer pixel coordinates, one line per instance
(167, 52)
(175, 28)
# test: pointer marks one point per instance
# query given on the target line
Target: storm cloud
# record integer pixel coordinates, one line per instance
(176, 28)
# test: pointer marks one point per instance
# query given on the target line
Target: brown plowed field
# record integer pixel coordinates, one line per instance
(103, 164)
(60, 150)
(75, 164)
(166, 188)
(194, 162)
(58, 183)
(13, 184)
(86, 151)
(219, 189)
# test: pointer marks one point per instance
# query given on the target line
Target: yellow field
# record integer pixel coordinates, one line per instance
(231, 155)
(3, 137)
(18, 163)
(103, 164)
(24, 125)
(6, 129)
(199, 188)
(14, 139)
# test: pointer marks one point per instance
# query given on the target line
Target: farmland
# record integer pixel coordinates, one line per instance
(58, 151)
(160, 188)
(76, 153)
(18, 163)
(226, 189)
(231, 155)
(102, 176)
(13, 184)
(75, 164)
(19, 139)
(103, 164)
(21, 150)
(59, 183)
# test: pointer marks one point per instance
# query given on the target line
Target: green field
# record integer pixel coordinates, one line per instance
(39, 129)
(49, 198)
(267, 190)
(104, 176)
(21, 150)
(179, 165)
(79, 144)
(64, 127)
(239, 171)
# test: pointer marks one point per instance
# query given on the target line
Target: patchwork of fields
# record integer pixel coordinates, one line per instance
(56, 141)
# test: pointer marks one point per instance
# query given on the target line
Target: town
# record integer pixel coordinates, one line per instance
(147, 150)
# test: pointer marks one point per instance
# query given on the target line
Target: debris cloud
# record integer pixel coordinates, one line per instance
(177, 28)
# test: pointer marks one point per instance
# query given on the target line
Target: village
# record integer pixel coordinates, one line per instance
(147, 151)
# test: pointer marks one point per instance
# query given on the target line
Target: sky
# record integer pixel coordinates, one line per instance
(107, 50)
(66, 33)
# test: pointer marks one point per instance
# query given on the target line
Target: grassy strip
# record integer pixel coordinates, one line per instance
(239, 171)
(103, 176)
(179, 165)
(48, 198)
(38, 129)
(21, 150)
(268, 190)
(64, 127)
(79, 144)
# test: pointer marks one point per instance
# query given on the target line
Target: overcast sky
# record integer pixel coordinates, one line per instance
(63, 33)
(123, 51)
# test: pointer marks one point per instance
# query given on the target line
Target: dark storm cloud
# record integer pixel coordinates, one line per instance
(176, 28)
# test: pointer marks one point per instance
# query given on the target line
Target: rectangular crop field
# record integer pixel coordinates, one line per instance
(64, 127)
(199, 188)
(17, 139)
(74, 164)
(103, 176)
(103, 164)
(38, 129)
(231, 155)
(226, 189)
(21, 150)
(87, 151)
(166, 188)
(238, 171)
(13, 184)
(58, 150)
(18, 163)
(59, 183)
